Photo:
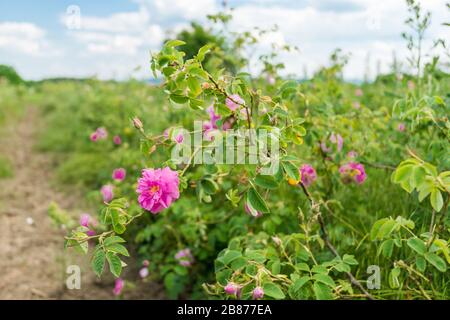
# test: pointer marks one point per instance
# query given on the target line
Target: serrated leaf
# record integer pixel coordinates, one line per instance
(118, 248)
(115, 264)
(98, 261)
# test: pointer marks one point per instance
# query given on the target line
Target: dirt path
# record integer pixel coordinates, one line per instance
(32, 258)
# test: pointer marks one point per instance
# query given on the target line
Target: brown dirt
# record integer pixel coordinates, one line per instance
(32, 258)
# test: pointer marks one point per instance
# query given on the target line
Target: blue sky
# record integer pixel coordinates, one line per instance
(116, 36)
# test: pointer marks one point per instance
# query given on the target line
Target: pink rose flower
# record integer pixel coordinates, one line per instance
(179, 138)
(117, 140)
(258, 293)
(157, 189)
(119, 174)
(359, 92)
(94, 136)
(145, 263)
(235, 102)
(85, 219)
(308, 174)
(184, 257)
(231, 289)
(356, 105)
(411, 85)
(143, 273)
(401, 127)
(107, 192)
(353, 171)
(118, 286)
(352, 154)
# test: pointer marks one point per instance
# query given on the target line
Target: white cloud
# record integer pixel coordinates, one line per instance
(25, 38)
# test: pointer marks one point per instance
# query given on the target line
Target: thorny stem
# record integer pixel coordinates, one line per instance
(315, 207)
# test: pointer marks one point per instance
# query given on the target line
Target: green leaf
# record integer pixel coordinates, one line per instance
(203, 51)
(114, 239)
(325, 279)
(299, 283)
(291, 170)
(266, 181)
(403, 173)
(115, 265)
(118, 248)
(231, 255)
(387, 248)
(421, 263)
(349, 259)
(436, 261)
(436, 200)
(256, 201)
(376, 228)
(272, 290)
(174, 43)
(178, 99)
(194, 87)
(98, 261)
(322, 291)
(386, 229)
(417, 245)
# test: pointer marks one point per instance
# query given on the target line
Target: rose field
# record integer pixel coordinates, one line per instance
(216, 179)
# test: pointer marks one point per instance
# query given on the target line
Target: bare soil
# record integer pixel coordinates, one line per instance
(33, 261)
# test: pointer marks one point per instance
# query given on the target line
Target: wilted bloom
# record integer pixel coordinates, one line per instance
(325, 148)
(85, 219)
(137, 123)
(234, 101)
(228, 124)
(107, 192)
(184, 257)
(352, 154)
(213, 117)
(157, 189)
(119, 174)
(205, 85)
(102, 133)
(356, 105)
(117, 140)
(253, 212)
(258, 293)
(118, 286)
(143, 273)
(231, 289)
(308, 174)
(277, 240)
(411, 85)
(353, 171)
(337, 139)
(359, 92)
(401, 127)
